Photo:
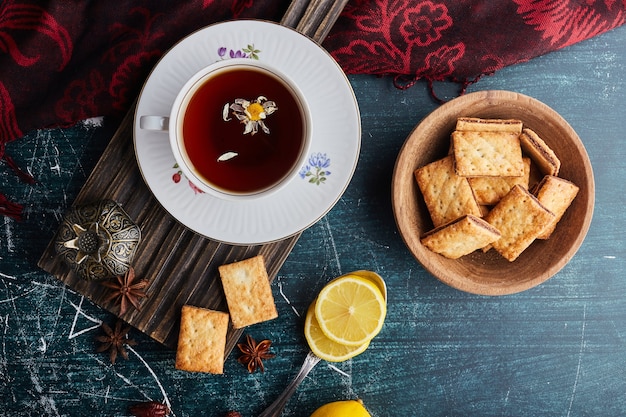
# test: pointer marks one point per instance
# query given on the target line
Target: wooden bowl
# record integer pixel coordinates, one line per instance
(489, 273)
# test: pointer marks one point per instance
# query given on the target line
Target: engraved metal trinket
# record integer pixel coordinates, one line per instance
(98, 241)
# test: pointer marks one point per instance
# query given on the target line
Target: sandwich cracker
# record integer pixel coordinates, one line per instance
(447, 196)
(476, 124)
(491, 154)
(460, 237)
(540, 152)
(556, 194)
(489, 190)
(520, 218)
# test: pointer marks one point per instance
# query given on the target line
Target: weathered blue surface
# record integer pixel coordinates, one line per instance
(558, 349)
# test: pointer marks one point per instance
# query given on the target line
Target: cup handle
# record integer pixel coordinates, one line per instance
(154, 123)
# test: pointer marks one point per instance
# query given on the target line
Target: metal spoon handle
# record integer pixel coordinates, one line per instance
(276, 408)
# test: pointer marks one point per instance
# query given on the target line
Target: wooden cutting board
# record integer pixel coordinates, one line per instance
(180, 265)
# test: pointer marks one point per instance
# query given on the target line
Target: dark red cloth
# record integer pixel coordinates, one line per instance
(461, 40)
(66, 60)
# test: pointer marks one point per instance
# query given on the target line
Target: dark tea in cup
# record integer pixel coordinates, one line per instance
(241, 129)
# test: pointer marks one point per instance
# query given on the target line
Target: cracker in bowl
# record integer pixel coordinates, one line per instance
(496, 159)
(520, 218)
(460, 237)
(556, 194)
(447, 195)
(490, 154)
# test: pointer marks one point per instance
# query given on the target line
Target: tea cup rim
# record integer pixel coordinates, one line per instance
(188, 88)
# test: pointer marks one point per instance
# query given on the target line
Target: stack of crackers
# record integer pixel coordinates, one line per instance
(202, 335)
(480, 195)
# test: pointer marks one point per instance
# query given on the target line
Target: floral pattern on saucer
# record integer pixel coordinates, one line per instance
(316, 168)
(248, 52)
(178, 176)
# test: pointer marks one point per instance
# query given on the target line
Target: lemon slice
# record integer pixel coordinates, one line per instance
(350, 310)
(374, 278)
(349, 408)
(324, 347)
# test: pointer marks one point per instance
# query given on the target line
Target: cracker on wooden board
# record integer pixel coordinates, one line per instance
(492, 154)
(556, 194)
(248, 291)
(489, 190)
(489, 125)
(520, 218)
(460, 237)
(201, 340)
(447, 196)
(540, 152)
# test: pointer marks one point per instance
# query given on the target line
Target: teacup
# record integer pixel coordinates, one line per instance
(238, 128)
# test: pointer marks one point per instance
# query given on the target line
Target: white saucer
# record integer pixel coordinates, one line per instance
(335, 143)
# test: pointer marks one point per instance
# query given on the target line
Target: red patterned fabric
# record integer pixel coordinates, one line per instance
(461, 40)
(66, 60)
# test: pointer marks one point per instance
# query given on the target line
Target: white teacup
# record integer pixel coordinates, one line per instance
(238, 128)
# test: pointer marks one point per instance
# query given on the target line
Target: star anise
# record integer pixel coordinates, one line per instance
(253, 353)
(114, 340)
(126, 290)
(149, 409)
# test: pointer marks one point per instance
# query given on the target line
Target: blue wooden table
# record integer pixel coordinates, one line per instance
(558, 349)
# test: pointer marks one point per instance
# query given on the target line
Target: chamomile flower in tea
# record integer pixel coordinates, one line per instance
(251, 113)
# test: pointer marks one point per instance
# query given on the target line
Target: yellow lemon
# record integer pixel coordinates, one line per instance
(349, 408)
(350, 310)
(323, 346)
(374, 278)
